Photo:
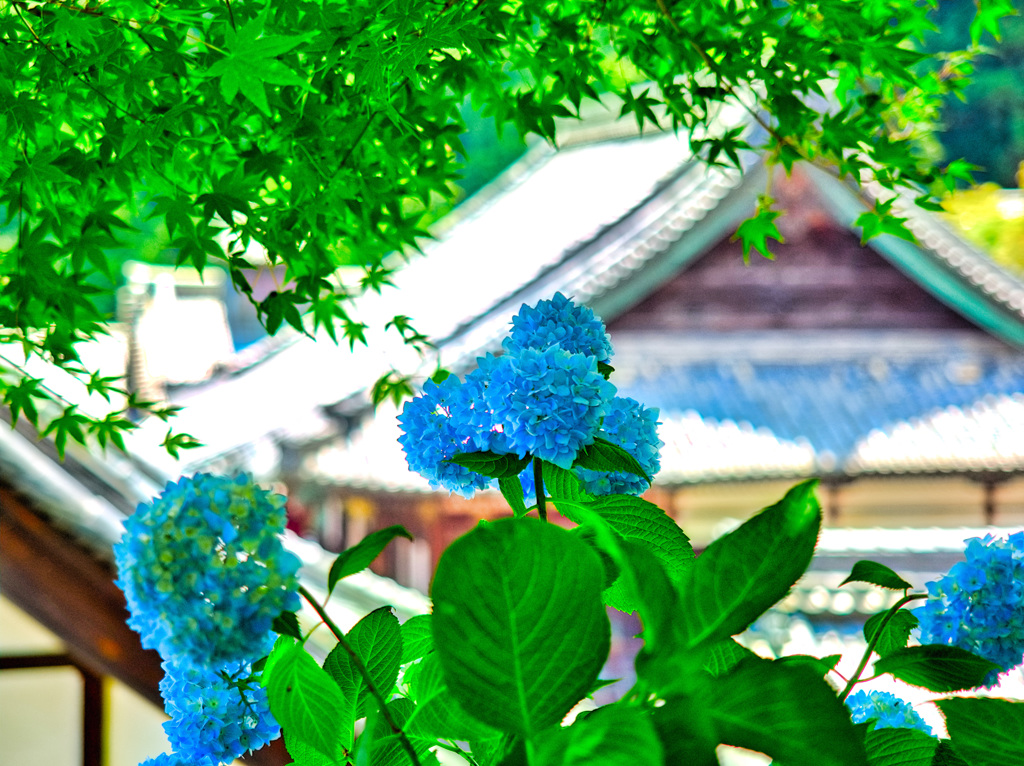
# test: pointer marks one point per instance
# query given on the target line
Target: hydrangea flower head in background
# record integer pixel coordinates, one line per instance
(437, 425)
(216, 716)
(633, 427)
(888, 710)
(204, 571)
(979, 605)
(560, 322)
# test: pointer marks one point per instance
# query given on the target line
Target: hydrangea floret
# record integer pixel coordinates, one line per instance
(886, 710)
(979, 604)
(204, 571)
(438, 425)
(548, 403)
(216, 716)
(559, 322)
(633, 427)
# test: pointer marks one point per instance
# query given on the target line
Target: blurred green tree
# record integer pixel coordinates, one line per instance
(985, 125)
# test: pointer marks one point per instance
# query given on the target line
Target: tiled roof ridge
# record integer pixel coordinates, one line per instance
(938, 236)
(669, 219)
(968, 260)
(810, 346)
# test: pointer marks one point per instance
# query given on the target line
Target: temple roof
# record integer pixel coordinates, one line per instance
(610, 220)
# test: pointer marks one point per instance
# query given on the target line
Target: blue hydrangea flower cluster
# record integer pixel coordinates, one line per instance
(888, 710)
(437, 426)
(544, 397)
(216, 716)
(548, 403)
(633, 427)
(559, 322)
(979, 604)
(204, 573)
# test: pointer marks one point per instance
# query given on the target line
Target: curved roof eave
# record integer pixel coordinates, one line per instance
(942, 262)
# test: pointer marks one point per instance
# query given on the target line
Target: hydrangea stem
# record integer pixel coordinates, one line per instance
(538, 482)
(855, 678)
(360, 667)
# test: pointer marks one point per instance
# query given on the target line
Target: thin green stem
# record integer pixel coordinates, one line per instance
(855, 678)
(455, 748)
(360, 667)
(538, 482)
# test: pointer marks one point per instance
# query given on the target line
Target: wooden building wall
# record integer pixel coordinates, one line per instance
(821, 278)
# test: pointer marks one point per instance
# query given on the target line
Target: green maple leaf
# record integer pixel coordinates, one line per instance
(251, 63)
(21, 398)
(882, 221)
(68, 424)
(754, 233)
(987, 18)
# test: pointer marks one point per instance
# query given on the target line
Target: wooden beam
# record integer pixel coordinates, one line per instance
(72, 593)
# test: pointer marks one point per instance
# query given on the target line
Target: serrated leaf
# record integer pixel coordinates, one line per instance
(276, 73)
(936, 667)
(254, 90)
(786, 711)
(512, 490)
(438, 714)
(388, 749)
(754, 233)
(821, 665)
(561, 484)
(417, 640)
(636, 520)
(876, 574)
(895, 634)
(491, 463)
(519, 653)
(605, 369)
(946, 755)
(361, 555)
(306, 702)
(612, 736)
(985, 731)
(899, 747)
(304, 754)
(377, 640)
(287, 624)
(742, 574)
(602, 455)
(643, 586)
(724, 656)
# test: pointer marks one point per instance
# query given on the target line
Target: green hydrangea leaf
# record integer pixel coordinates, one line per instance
(742, 574)
(985, 731)
(876, 574)
(894, 635)
(518, 623)
(936, 667)
(377, 640)
(361, 555)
